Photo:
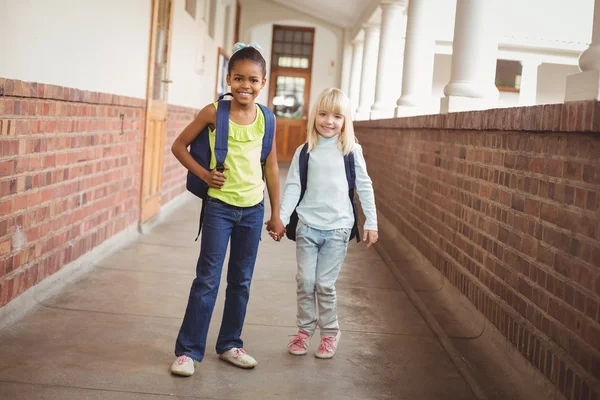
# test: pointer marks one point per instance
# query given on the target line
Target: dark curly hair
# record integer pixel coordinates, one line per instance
(248, 53)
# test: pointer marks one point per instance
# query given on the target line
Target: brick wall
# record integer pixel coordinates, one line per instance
(70, 170)
(505, 203)
(174, 174)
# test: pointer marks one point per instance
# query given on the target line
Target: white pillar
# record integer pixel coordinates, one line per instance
(474, 53)
(369, 70)
(389, 64)
(355, 72)
(417, 76)
(346, 62)
(586, 84)
(529, 82)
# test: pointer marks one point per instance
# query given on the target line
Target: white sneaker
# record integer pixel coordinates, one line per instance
(239, 358)
(183, 366)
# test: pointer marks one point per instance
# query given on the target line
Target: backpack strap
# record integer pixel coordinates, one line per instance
(222, 132)
(303, 163)
(351, 178)
(303, 166)
(267, 143)
(221, 142)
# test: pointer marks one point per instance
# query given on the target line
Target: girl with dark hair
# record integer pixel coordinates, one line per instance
(234, 211)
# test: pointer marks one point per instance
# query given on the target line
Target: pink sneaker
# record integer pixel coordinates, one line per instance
(298, 344)
(328, 346)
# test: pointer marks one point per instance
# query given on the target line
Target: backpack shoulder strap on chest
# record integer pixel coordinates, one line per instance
(267, 143)
(303, 164)
(351, 178)
(350, 171)
(221, 146)
(222, 133)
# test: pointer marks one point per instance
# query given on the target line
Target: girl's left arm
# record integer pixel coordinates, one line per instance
(364, 189)
(272, 179)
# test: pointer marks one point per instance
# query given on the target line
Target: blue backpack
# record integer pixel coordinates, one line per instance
(350, 177)
(200, 149)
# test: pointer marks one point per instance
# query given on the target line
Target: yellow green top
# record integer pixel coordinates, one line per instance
(244, 186)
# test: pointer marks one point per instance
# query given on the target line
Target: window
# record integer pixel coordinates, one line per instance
(288, 101)
(292, 47)
(190, 7)
(508, 75)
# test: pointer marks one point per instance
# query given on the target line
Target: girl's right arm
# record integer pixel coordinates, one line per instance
(206, 117)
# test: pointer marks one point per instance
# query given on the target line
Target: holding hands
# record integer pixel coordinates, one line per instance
(275, 228)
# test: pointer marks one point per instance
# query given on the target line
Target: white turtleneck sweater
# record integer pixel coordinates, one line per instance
(326, 204)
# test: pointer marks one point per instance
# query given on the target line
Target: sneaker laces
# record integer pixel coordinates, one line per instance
(237, 353)
(326, 344)
(298, 340)
(182, 360)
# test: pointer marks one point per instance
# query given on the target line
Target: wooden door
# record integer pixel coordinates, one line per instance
(156, 108)
(289, 89)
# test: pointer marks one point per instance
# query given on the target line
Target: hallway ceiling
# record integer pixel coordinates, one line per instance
(341, 13)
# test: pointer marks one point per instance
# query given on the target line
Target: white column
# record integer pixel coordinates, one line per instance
(586, 84)
(346, 66)
(355, 72)
(417, 76)
(474, 53)
(369, 70)
(389, 64)
(529, 82)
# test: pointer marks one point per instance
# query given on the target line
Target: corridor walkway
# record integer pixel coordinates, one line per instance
(111, 334)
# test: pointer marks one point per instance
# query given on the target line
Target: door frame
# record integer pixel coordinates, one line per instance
(143, 213)
(305, 73)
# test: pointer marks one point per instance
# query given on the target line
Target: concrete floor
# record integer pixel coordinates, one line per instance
(111, 334)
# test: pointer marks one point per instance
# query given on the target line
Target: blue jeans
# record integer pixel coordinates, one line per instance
(221, 222)
(320, 255)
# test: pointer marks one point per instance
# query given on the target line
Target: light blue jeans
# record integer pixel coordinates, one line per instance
(320, 255)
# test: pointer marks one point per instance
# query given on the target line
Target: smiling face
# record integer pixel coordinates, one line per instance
(246, 80)
(328, 123)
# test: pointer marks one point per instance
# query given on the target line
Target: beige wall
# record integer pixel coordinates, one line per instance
(87, 45)
(67, 43)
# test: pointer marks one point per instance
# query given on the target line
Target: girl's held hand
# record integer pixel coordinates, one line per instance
(370, 237)
(215, 179)
(275, 228)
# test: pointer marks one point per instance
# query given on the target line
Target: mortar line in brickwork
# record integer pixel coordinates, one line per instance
(53, 99)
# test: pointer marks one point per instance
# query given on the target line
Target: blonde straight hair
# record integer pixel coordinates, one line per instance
(335, 101)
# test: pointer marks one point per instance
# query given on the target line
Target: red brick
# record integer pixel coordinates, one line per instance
(591, 174)
(7, 168)
(573, 170)
(536, 165)
(554, 168)
(532, 207)
(580, 197)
